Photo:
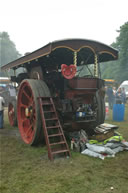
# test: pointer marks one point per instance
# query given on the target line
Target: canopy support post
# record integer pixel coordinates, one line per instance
(96, 67)
(75, 58)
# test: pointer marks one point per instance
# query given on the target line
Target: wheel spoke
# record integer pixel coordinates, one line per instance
(24, 120)
(29, 130)
(28, 127)
(23, 105)
(26, 95)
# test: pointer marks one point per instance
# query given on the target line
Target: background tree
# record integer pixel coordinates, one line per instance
(8, 51)
(118, 70)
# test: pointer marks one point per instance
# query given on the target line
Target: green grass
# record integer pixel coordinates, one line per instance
(26, 169)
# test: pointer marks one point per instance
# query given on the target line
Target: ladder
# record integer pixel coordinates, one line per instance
(53, 132)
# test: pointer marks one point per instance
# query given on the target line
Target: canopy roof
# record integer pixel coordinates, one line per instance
(63, 51)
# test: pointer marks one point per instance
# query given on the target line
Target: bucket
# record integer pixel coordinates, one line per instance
(118, 112)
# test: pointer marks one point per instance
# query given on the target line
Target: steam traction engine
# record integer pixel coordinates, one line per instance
(61, 89)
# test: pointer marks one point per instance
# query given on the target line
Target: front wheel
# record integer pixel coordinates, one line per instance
(28, 110)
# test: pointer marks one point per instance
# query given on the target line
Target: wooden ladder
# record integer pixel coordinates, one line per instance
(53, 132)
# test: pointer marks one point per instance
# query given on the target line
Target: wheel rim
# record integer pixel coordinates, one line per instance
(26, 113)
(11, 114)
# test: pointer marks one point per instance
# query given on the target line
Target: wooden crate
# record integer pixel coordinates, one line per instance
(103, 136)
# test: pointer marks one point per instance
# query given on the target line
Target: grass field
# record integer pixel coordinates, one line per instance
(26, 169)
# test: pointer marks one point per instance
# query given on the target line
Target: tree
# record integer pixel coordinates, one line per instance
(118, 70)
(8, 50)
(122, 45)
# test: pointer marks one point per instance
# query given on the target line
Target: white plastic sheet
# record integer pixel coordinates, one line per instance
(118, 149)
(112, 145)
(100, 149)
(92, 153)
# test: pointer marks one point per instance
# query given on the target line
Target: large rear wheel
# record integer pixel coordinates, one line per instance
(12, 114)
(99, 108)
(28, 111)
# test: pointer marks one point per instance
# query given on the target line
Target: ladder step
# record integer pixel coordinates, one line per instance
(55, 135)
(60, 151)
(55, 140)
(46, 104)
(53, 127)
(58, 143)
(51, 119)
(49, 111)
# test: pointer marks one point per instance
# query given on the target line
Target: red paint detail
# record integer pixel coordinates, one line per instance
(68, 71)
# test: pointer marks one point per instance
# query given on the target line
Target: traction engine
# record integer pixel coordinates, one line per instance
(68, 73)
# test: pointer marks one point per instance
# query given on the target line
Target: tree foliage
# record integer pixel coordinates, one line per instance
(8, 51)
(118, 70)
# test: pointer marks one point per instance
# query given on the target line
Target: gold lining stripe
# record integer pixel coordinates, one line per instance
(28, 60)
(74, 49)
(50, 52)
(107, 53)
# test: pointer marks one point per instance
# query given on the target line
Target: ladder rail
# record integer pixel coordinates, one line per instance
(52, 145)
(44, 126)
(60, 126)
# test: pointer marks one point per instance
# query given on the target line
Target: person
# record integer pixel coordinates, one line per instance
(114, 95)
(109, 93)
(12, 91)
(119, 96)
(2, 102)
(123, 95)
